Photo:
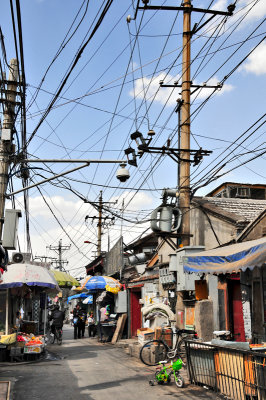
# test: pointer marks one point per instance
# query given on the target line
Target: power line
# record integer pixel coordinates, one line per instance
(106, 8)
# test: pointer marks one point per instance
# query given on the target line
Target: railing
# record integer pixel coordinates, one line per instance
(237, 374)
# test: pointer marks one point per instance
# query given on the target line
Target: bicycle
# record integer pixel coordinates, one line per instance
(58, 335)
(155, 351)
(163, 376)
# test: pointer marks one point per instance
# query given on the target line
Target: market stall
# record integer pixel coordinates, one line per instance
(99, 292)
(26, 287)
(105, 289)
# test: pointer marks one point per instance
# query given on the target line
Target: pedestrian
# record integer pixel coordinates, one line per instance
(103, 317)
(75, 321)
(57, 317)
(79, 319)
(18, 320)
(91, 325)
(81, 323)
(71, 318)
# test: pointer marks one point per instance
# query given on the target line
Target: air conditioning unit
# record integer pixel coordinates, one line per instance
(18, 258)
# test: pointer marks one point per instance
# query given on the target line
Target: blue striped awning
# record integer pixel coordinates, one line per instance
(81, 296)
(228, 259)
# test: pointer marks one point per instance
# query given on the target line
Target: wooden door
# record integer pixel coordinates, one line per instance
(135, 311)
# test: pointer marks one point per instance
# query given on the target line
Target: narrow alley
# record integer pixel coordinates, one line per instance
(86, 369)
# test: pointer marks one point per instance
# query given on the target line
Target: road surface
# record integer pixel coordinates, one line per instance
(88, 370)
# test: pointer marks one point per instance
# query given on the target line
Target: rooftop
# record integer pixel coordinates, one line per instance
(224, 185)
(243, 209)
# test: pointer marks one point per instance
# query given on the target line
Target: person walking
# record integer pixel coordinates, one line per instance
(91, 325)
(79, 319)
(81, 323)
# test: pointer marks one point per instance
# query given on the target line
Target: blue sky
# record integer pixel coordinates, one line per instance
(110, 83)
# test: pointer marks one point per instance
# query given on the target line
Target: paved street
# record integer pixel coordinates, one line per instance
(90, 370)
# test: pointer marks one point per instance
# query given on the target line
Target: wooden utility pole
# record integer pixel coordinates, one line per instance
(184, 151)
(59, 250)
(99, 243)
(101, 220)
(6, 149)
(184, 188)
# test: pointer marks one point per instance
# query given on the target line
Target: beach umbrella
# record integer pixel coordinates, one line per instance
(21, 274)
(103, 282)
(82, 283)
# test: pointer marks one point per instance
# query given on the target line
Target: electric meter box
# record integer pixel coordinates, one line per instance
(10, 229)
(121, 302)
(184, 281)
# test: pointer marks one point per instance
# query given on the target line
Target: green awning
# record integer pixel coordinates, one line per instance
(64, 279)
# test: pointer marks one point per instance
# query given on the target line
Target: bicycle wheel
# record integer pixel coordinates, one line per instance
(52, 338)
(179, 381)
(181, 349)
(157, 378)
(153, 352)
(59, 336)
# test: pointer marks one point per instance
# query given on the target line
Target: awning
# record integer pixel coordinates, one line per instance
(100, 282)
(228, 259)
(82, 296)
(64, 279)
(18, 275)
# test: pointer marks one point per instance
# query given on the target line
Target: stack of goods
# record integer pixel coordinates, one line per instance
(32, 344)
(21, 340)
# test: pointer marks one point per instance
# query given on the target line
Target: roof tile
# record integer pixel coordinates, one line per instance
(248, 209)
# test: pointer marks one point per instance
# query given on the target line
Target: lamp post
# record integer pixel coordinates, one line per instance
(89, 242)
(98, 245)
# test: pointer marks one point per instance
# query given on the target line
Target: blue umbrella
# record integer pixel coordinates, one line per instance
(79, 296)
(100, 283)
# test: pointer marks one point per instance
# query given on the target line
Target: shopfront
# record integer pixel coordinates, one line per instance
(241, 271)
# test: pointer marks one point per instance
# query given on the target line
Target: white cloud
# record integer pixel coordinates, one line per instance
(168, 95)
(220, 5)
(140, 201)
(255, 13)
(38, 208)
(45, 230)
(249, 10)
(204, 93)
(256, 63)
(152, 88)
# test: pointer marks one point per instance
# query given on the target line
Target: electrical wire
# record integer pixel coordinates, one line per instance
(106, 8)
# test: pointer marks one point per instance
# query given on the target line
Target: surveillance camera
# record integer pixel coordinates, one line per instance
(122, 173)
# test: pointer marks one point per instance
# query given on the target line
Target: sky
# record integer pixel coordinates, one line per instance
(112, 91)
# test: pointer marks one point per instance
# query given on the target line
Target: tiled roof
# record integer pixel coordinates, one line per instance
(245, 209)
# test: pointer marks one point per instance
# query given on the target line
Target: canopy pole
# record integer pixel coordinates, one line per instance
(7, 310)
(44, 328)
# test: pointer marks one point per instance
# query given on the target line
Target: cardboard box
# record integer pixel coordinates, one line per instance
(16, 351)
(32, 349)
(145, 334)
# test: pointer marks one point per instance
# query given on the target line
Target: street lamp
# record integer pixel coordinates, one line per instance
(89, 242)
